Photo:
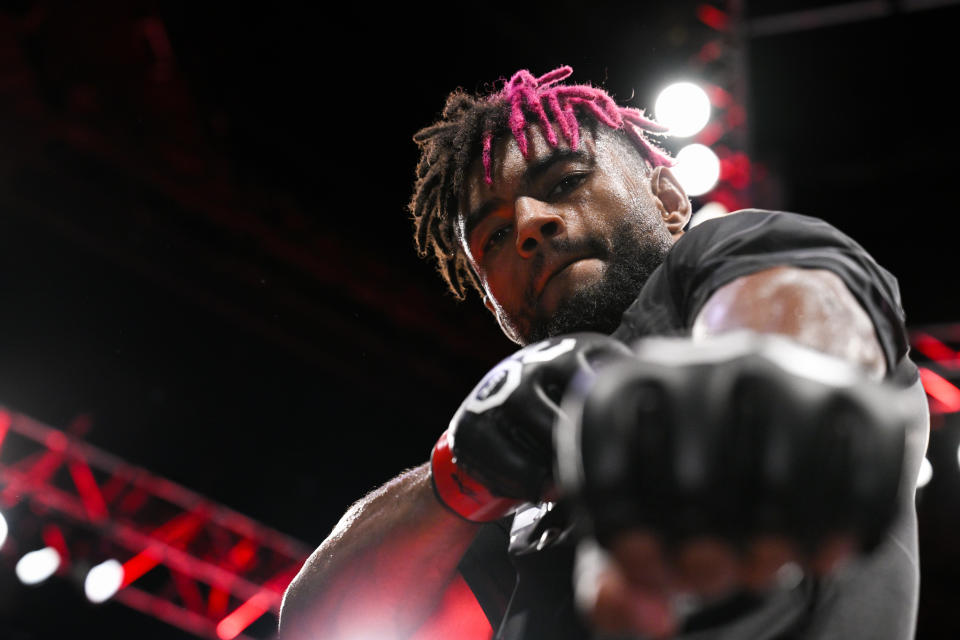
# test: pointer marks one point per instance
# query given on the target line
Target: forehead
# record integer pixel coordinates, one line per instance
(508, 161)
(510, 169)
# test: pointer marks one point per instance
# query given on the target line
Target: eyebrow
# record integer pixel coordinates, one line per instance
(531, 174)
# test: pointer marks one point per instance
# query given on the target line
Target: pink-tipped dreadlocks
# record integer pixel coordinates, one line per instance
(466, 130)
(524, 92)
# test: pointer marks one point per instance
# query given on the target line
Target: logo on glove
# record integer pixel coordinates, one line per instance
(503, 379)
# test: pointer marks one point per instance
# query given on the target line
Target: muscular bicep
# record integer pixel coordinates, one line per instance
(812, 306)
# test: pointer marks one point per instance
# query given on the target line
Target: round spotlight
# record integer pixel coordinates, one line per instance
(4, 530)
(683, 108)
(926, 472)
(697, 169)
(37, 566)
(103, 581)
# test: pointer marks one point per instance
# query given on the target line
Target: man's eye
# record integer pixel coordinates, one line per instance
(499, 235)
(567, 184)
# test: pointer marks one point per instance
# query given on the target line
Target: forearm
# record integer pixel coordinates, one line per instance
(382, 570)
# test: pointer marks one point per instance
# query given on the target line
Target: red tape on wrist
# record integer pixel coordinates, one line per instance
(461, 493)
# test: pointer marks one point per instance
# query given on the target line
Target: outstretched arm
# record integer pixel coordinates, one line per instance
(812, 307)
(383, 569)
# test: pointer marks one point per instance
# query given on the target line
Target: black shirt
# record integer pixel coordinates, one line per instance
(528, 595)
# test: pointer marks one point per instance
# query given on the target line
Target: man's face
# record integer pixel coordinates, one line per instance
(564, 240)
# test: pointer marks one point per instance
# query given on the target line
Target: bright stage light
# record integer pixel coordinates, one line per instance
(684, 108)
(926, 472)
(37, 566)
(3, 530)
(697, 169)
(103, 581)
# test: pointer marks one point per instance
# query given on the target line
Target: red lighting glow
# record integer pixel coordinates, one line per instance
(89, 492)
(941, 390)
(175, 530)
(217, 602)
(712, 17)
(710, 51)
(242, 554)
(189, 592)
(719, 97)
(53, 537)
(4, 425)
(261, 602)
(934, 349)
(711, 133)
(458, 616)
(56, 441)
(139, 565)
(735, 169)
(244, 615)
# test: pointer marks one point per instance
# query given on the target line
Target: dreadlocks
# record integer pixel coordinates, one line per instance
(467, 128)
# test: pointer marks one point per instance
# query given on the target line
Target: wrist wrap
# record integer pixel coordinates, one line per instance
(459, 492)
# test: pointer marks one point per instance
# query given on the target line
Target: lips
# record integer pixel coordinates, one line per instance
(552, 269)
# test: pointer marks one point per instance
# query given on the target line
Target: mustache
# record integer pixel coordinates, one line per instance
(592, 245)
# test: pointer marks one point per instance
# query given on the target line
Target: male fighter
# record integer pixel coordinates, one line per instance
(551, 201)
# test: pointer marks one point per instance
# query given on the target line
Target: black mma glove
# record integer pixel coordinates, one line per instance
(735, 436)
(498, 449)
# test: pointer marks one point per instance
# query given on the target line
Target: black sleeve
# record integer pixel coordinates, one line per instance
(721, 250)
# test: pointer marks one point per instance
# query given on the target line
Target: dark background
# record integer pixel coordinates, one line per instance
(204, 244)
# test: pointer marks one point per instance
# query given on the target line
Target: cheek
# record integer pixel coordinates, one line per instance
(608, 209)
(630, 195)
(500, 292)
(594, 207)
(630, 186)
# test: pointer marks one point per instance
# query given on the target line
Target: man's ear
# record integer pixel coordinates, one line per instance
(670, 198)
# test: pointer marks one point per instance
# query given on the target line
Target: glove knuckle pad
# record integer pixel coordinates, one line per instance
(736, 448)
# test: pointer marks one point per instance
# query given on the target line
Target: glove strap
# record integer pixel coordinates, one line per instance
(460, 493)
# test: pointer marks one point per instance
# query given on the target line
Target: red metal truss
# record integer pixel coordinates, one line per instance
(186, 560)
(936, 350)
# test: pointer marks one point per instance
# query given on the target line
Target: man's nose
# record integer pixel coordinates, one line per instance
(536, 222)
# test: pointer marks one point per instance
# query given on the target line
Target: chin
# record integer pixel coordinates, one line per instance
(599, 304)
(594, 308)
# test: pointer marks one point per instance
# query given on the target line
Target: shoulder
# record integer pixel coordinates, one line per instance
(760, 230)
(721, 250)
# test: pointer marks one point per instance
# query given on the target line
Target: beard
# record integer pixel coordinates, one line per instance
(633, 255)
